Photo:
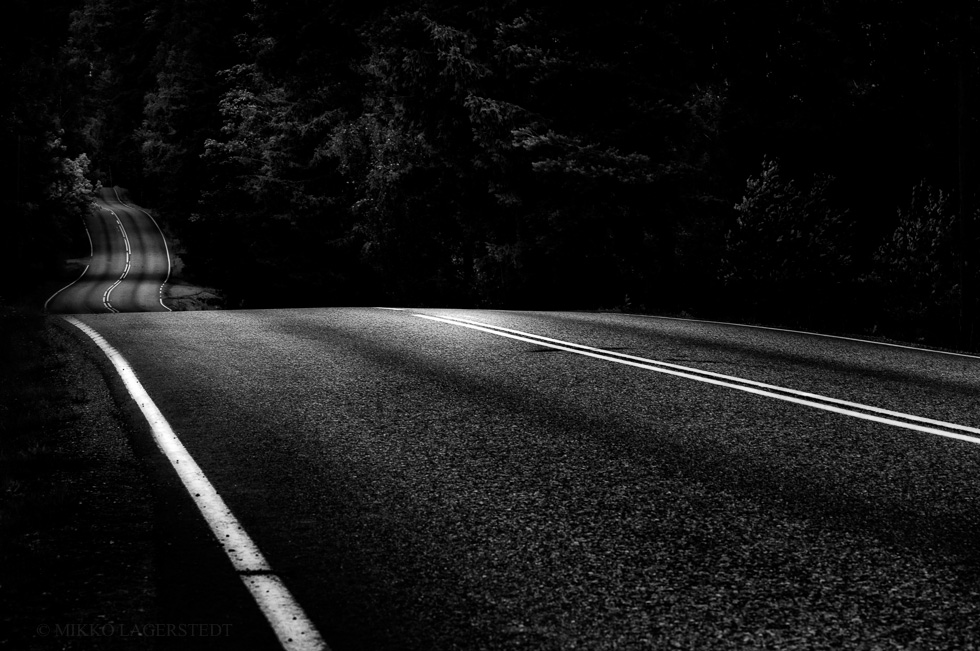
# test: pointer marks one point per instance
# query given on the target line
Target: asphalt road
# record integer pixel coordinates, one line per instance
(422, 484)
(128, 267)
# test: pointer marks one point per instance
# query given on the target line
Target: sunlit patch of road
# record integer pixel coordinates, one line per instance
(129, 264)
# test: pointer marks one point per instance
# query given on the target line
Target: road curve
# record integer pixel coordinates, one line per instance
(129, 265)
(421, 483)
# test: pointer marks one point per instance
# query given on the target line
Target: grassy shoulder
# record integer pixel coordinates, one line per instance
(76, 515)
(78, 552)
(99, 546)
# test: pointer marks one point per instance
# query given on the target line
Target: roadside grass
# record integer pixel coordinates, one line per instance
(36, 413)
(36, 410)
(76, 519)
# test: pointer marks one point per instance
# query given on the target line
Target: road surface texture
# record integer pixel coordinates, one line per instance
(427, 483)
(129, 263)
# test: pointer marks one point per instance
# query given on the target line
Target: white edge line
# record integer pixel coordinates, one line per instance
(730, 378)
(84, 271)
(91, 252)
(290, 623)
(690, 376)
(799, 332)
(162, 237)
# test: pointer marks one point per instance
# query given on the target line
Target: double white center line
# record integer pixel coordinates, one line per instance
(825, 403)
(129, 252)
(163, 238)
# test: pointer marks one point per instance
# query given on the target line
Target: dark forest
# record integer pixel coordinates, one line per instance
(801, 163)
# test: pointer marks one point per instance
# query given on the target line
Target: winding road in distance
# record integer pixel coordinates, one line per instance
(432, 479)
(129, 265)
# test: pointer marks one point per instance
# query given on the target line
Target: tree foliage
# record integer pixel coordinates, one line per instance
(790, 248)
(529, 153)
(45, 172)
(916, 268)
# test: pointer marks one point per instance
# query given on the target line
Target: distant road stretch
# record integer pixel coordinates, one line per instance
(130, 263)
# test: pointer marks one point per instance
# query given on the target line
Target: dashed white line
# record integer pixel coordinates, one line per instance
(825, 403)
(292, 626)
(122, 231)
(166, 248)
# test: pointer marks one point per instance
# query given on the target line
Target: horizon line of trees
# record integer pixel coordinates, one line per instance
(796, 162)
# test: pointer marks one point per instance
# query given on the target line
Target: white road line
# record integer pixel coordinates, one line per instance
(293, 628)
(800, 332)
(166, 248)
(84, 271)
(731, 378)
(91, 252)
(779, 393)
(122, 231)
